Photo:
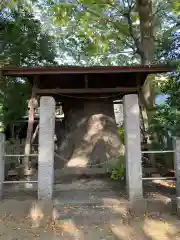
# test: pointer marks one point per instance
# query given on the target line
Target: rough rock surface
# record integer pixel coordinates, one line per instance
(91, 135)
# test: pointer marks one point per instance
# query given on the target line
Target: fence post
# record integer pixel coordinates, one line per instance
(177, 172)
(2, 166)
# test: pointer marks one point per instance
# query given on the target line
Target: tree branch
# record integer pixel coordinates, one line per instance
(131, 31)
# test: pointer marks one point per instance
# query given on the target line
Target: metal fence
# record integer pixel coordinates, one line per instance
(13, 149)
(13, 153)
(159, 152)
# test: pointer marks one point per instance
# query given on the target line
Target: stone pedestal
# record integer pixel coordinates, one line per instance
(133, 147)
(46, 148)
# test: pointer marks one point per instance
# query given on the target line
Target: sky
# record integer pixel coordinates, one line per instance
(160, 99)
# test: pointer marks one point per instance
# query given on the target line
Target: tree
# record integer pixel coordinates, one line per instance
(23, 43)
(169, 115)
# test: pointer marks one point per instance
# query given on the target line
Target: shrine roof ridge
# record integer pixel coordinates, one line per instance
(58, 70)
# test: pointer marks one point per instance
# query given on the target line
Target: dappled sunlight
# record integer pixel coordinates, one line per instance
(69, 228)
(109, 220)
(159, 229)
(113, 202)
(78, 162)
(95, 124)
(134, 109)
(36, 215)
(145, 228)
(29, 186)
(164, 183)
(121, 231)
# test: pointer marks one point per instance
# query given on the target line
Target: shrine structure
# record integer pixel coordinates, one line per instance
(89, 132)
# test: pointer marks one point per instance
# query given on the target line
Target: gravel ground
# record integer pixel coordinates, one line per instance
(87, 221)
(82, 222)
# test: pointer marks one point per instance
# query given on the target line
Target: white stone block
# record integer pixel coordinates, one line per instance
(133, 147)
(46, 148)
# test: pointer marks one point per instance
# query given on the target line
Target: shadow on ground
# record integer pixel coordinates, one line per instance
(88, 208)
(83, 221)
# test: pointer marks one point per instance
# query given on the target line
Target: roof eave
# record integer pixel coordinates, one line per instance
(34, 71)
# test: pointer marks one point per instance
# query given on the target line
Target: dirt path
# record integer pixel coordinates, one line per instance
(87, 223)
(107, 217)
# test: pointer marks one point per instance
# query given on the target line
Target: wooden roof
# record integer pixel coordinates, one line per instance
(32, 71)
(86, 80)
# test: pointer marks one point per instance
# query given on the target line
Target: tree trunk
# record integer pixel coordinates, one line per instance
(91, 133)
(144, 8)
(32, 105)
(27, 149)
(35, 134)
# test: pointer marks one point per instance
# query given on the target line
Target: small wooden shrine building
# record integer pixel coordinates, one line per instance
(87, 94)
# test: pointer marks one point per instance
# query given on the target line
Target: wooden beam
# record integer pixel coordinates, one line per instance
(86, 81)
(32, 104)
(86, 90)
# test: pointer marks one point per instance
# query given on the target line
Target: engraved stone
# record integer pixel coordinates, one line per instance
(46, 148)
(133, 147)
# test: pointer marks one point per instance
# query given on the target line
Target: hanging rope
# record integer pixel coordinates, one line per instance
(88, 165)
(90, 98)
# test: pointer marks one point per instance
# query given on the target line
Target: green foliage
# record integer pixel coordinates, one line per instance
(22, 40)
(109, 30)
(22, 43)
(86, 32)
(121, 134)
(116, 169)
(15, 101)
(102, 27)
(118, 172)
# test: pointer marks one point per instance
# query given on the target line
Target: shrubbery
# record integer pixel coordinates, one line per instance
(116, 168)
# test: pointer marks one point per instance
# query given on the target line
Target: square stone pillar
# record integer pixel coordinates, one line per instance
(133, 147)
(2, 164)
(177, 173)
(46, 148)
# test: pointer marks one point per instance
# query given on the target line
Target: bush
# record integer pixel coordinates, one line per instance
(116, 169)
(121, 134)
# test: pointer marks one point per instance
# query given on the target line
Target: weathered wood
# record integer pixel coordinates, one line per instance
(32, 104)
(35, 134)
(25, 71)
(87, 90)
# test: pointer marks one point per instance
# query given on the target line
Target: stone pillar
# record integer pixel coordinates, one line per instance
(2, 165)
(177, 173)
(46, 148)
(133, 147)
